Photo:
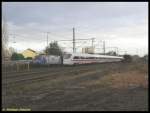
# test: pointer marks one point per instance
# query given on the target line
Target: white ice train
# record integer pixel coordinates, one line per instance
(80, 58)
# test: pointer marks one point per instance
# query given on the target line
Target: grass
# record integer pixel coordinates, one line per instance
(130, 76)
(123, 76)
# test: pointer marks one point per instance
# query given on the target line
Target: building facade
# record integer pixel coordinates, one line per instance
(88, 50)
(29, 53)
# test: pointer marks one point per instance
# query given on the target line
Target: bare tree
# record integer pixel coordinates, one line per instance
(5, 53)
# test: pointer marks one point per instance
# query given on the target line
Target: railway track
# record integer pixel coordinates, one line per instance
(36, 70)
(19, 74)
(35, 77)
(8, 75)
(32, 71)
(40, 75)
(68, 89)
(47, 69)
(53, 83)
(49, 77)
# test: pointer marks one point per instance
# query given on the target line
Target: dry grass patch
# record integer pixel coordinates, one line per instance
(122, 80)
(129, 80)
(134, 76)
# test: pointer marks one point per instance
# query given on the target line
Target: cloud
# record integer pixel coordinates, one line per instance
(22, 13)
(123, 24)
(135, 36)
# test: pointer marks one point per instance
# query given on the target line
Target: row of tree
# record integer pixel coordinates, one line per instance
(52, 49)
(19, 56)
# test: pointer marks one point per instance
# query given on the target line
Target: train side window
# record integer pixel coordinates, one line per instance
(67, 56)
(82, 57)
(92, 58)
(75, 57)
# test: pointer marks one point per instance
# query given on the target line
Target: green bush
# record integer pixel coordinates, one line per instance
(29, 58)
(127, 58)
(17, 56)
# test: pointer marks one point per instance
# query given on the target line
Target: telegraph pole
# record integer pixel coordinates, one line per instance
(92, 45)
(47, 49)
(117, 51)
(47, 42)
(104, 47)
(92, 42)
(74, 40)
(47, 39)
(14, 39)
(136, 51)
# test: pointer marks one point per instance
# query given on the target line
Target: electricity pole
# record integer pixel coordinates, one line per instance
(47, 49)
(92, 42)
(117, 51)
(47, 43)
(47, 38)
(14, 39)
(136, 51)
(74, 40)
(104, 47)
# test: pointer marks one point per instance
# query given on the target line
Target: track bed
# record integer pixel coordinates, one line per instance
(72, 88)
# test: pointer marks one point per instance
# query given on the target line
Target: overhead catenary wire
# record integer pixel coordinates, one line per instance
(54, 36)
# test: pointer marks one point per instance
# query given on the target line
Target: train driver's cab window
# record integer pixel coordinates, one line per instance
(91, 58)
(67, 56)
(87, 57)
(76, 57)
(82, 57)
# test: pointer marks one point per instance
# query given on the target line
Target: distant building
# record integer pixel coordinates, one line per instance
(29, 53)
(135, 58)
(88, 50)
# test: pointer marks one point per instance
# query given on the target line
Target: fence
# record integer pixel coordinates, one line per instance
(16, 66)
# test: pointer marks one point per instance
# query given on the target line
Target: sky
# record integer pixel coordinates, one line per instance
(119, 24)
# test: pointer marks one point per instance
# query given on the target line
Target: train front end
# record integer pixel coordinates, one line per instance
(67, 59)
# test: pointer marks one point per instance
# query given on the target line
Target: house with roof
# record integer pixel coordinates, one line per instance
(29, 53)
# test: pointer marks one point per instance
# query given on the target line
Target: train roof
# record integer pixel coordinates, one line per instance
(95, 55)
